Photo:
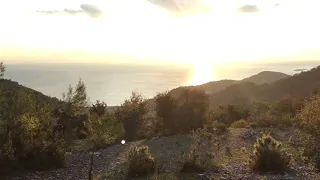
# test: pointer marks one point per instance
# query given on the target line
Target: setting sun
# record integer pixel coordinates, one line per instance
(202, 73)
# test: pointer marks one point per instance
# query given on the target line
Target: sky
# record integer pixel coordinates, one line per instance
(159, 31)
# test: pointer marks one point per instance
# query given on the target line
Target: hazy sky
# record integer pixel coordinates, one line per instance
(115, 31)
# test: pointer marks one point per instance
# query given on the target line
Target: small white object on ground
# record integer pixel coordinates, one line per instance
(123, 142)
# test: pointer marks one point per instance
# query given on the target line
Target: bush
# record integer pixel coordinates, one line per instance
(30, 145)
(132, 114)
(200, 157)
(192, 110)
(309, 120)
(166, 111)
(268, 156)
(140, 162)
(104, 130)
(253, 125)
(219, 128)
(240, 124)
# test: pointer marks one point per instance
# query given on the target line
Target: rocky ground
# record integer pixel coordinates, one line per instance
(78, 166)
(109, 163)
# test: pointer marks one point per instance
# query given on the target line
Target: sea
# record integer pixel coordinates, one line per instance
(113, 83)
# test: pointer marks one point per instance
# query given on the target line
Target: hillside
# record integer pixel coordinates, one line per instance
(266, 77)
(10, 88)
(217, 86)
(297, 86)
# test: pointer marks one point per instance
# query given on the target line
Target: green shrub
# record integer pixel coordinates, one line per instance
(240, 124)
(284, 121)
(200, 157)
(268, 156)
(253, 125)
(29, 145)
(219, 128)
(104, 130)
(309, 120)
(140, 162)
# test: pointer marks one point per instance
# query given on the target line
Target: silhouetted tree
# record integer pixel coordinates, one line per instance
(192, 110)
(132, 113)
(166, 111)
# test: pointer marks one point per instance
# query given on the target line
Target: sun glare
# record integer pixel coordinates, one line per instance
(202, 73)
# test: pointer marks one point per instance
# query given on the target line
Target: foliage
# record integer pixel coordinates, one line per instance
(16, 99)
(217, 128)
(2, 69)
(192, 110)
(70, 126)
(183, 114)
(309, 121)
(72, 119)
(132, 113)
(166, 109)
(310, 115)
(253, 125)
(240, 124)
(31, 145)
(200, 157)
(230, 113)
(76, 98)
(140, 162)
(104, 130)
(268, 156)
(99, 108)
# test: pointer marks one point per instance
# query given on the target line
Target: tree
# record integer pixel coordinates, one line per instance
(192, 110)
(76, 98)
(99, 108)
(2, 69)
(73, 117)
(166, 109)
(131, 113)
(104, 129)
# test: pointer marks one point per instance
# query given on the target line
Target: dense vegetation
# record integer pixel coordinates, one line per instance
(37, 130)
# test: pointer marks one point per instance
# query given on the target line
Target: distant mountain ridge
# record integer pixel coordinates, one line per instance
(216, 86)
(296, 86)
(266, 77)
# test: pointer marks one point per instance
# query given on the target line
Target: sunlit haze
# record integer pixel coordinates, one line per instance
(202, 32)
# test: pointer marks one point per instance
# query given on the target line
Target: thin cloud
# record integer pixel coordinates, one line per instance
(170, 5)
(89, 9)
(248, 8)
(180, 6)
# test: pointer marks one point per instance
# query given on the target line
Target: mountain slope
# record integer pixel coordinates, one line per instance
(266, 77)
(216, 86)
(297, 86)
(9, 89)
